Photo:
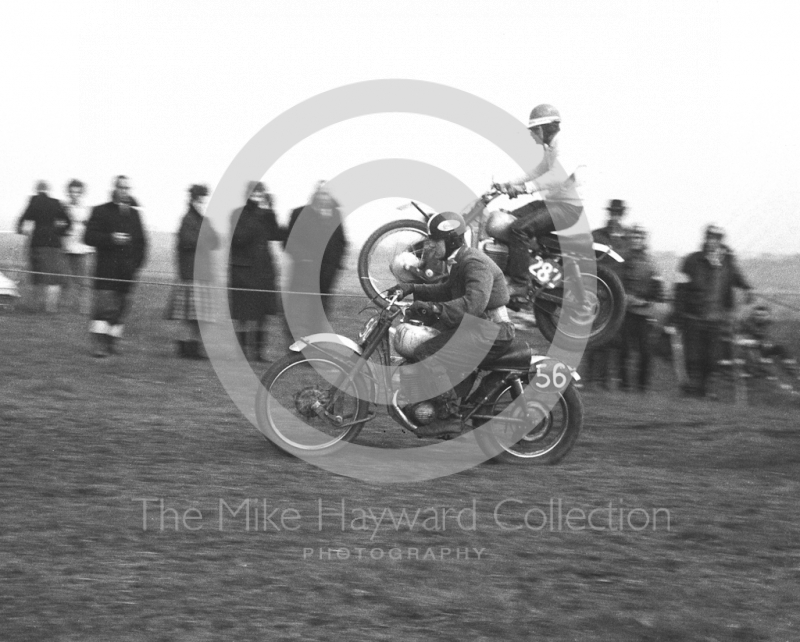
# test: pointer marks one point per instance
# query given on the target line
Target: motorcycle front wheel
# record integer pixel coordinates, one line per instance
(301, 410)
(608, 313)
(380, 249)
(545, 436)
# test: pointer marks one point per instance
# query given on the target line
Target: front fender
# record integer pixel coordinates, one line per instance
(328, 342)
(325, 337)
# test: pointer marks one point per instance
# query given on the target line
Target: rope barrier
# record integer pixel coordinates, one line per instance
(359, 295)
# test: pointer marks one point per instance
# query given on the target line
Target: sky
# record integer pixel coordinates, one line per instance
(686, 110)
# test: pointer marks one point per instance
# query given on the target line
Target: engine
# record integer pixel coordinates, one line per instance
(412, 386)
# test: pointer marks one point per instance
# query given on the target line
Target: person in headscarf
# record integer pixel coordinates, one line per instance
(78, 254)
(191, 299)
(252, 273)
(50, 223)
(318, 256)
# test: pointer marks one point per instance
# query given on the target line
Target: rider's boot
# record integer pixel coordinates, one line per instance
(447, 406)
(519, 295)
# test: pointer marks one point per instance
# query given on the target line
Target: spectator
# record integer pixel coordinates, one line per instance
(50, 224)
(598, 360)
(757, 326)
(77, 253)
(191, 300)
(643, 287)
(316, 266)
(704, 304)
(252, 269)
(115, 230)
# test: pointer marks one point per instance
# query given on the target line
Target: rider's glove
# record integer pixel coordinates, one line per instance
(401, 290)
(426, 308)
(512, 190)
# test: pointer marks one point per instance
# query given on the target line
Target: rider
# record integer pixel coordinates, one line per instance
(474, 287)
(557, 180)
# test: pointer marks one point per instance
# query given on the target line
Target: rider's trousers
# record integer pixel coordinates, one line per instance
(456, 359)
(534, 220)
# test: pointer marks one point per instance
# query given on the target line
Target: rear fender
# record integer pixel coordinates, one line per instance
(537, 360)
(601, 250)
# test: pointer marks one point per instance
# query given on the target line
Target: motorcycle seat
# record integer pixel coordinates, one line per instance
(517, 357)
(550, 241)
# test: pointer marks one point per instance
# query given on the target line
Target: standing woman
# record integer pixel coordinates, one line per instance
(78, 255)
(50, 223)
(252, 269)
(317, 260)
(191, 299)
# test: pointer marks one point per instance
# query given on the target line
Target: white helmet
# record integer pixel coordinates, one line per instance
(498, 226)
(401, 267)
(409, 336)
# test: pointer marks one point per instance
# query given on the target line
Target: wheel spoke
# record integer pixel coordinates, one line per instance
(303, 408)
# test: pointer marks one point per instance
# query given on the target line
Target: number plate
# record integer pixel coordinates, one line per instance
(546, 272)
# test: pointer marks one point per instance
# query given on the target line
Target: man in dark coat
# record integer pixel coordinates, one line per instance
(50, 223)
(643, 287)
(253, 274)
(614, 234)
(317, 259)
(115, 230)
(704, 305)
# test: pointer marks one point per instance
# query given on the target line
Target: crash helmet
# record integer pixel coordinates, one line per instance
(543, 114)
(409, 336)
(403, 265)
(714, 230)
(448, 227)
(498, 225)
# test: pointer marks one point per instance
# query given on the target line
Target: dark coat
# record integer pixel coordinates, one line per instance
(50, 221)
(191, 244)
(116, 261)
(475, 284)
(640, 279)
(251, 263)
(707, 284)
(332, 254)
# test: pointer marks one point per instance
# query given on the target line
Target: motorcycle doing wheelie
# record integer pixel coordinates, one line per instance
(578, 300)
(520, 407)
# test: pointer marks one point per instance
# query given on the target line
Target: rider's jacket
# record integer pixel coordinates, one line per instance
(474, 286)
(559, 176)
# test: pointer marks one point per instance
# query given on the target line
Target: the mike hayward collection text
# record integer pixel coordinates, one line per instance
(509, 514)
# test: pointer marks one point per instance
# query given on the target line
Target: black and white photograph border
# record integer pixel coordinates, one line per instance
(198, 197)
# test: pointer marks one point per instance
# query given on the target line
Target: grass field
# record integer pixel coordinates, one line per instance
(84, 441)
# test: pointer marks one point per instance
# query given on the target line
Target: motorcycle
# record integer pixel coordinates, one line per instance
(588, 312)
(521, 408)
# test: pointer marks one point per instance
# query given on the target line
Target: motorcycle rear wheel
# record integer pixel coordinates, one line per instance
(610, 302)
(285, 405)
(545, 443)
